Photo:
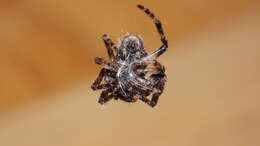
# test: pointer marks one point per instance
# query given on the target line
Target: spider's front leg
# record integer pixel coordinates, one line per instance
(109, 45)
(159, 28)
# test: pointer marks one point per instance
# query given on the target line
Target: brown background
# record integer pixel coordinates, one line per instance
(46, 69)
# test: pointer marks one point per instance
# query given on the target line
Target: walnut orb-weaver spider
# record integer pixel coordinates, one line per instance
(132, 73)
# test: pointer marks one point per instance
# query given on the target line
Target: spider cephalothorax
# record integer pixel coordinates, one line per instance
(132, 73)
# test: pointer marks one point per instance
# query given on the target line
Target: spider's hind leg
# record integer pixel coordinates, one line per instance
(157, 23)
(159, 28)
(101, 61)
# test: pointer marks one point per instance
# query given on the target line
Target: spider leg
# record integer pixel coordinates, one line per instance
(159, 28)
(160, 78)
(155, 96)
(158, 52)
(97, 83)
(101, 61)
(105, 97)
(142, 95)
(109, 45)
(146, 100)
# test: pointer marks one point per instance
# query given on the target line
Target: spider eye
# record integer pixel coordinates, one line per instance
(133, 45)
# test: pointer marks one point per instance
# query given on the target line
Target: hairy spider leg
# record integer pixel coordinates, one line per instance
(97, 83)
(159, 28)
(155, 96)
(144, 99)
(157, 23)
(160, 86)
(100, 61)
(110, 46)
(159, 78)
(151, 103)
(155, 54)
(105, 97)
(103, 62)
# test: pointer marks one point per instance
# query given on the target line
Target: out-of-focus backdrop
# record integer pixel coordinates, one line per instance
(46, 69)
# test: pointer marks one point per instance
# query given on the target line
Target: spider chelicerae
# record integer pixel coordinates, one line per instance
(132, 73)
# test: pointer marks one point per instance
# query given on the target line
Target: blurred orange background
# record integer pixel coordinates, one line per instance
(46, 69)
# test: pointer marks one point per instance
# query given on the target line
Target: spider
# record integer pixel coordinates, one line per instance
(132, 73)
